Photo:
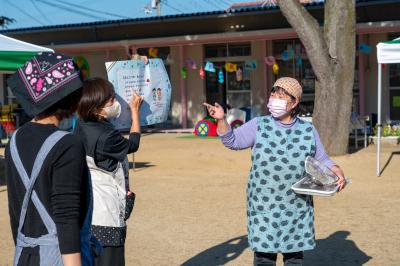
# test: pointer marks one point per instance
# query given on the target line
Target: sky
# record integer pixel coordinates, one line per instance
(36, 13)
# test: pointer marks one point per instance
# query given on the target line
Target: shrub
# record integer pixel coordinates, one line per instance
(388, 130)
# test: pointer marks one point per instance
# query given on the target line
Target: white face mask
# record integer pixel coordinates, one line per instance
(113, 111)
(277, 107)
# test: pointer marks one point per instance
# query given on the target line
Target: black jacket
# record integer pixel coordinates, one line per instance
(105, 144)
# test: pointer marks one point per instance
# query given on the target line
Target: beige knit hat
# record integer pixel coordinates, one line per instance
(291, 85)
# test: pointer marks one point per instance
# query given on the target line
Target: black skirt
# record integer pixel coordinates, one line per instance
(111, 256)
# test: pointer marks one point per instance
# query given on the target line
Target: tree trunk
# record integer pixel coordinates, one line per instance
(332, 56)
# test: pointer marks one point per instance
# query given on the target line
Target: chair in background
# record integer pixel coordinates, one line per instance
(359, 129)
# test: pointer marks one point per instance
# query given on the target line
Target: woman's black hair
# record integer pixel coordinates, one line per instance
(95, 94)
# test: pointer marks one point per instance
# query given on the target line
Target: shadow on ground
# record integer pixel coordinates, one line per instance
(140, 165)
(336, 250)
(220, 254)
(389, 160)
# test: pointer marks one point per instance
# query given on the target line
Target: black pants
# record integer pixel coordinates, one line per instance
(269, 259)
(114, 256)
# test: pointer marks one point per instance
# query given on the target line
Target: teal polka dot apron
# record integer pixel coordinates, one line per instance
(279, 220)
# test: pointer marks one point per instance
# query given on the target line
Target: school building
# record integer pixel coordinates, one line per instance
(241, 43)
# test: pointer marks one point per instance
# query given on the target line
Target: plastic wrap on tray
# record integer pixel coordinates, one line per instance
(319, 173)
(318, 180)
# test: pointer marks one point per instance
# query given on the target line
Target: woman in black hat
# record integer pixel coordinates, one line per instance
(49, 190)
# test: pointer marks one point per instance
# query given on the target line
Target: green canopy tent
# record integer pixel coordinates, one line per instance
(387, 53)
(14, 53)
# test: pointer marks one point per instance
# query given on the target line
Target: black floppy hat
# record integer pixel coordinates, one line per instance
(43, 81)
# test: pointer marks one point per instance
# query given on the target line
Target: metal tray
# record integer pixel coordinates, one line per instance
(307, 187)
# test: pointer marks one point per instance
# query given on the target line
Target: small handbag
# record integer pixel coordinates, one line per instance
(130, 202)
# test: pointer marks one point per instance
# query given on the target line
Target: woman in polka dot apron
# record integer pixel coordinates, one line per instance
(278, 220)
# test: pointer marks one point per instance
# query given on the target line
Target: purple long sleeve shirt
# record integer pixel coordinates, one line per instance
(244, 137)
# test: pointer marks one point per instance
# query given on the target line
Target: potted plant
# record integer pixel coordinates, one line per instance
(389, 134)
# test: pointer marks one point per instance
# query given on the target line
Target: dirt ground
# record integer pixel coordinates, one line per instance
(190, 208)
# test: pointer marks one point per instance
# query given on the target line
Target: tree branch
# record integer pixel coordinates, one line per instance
(310, 34)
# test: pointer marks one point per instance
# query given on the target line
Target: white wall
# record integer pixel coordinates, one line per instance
(195, 86)
(175, 75)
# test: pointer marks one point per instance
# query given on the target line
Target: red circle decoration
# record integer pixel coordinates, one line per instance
(205, 128)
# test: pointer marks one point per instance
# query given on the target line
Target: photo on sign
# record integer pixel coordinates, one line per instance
(148, 80)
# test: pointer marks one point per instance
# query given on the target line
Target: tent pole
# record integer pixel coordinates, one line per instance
(378, 161)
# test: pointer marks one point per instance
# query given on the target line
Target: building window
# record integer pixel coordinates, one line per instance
(239, 49)
(394, 75)
(227, 50)
(394, 69)
(235, 91)
(215, 50)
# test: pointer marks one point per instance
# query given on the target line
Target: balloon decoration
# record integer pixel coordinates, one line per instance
(246, 74)
(299, 61)
(239, 75)
(169, 60)
(230, 67)
(250, 64)
(184, 72)
(209, 67)
(275, 69)
(221, 77)
(285, 55)
(291, 53)
(201, 72)
(83, 66)
(364, 48)
(240, 72)
(190, 63)
(194, 66)
(270, 60)
(153, 52)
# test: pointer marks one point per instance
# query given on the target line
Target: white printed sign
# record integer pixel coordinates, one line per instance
(148, 80)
